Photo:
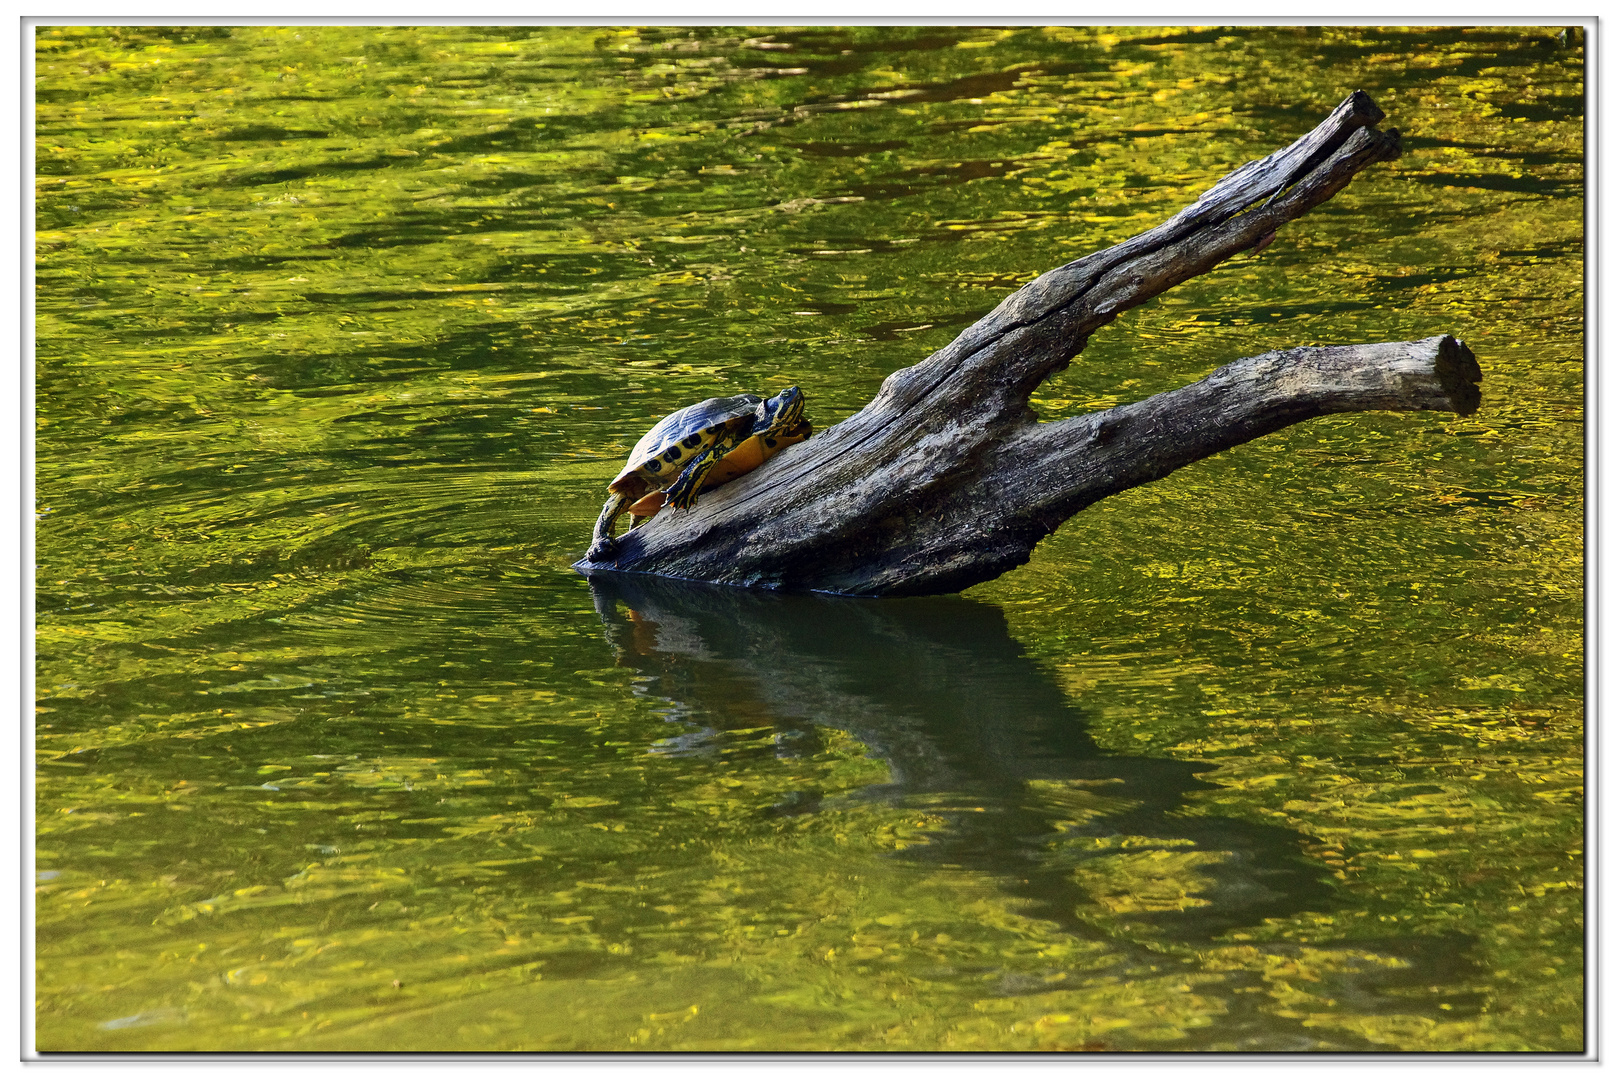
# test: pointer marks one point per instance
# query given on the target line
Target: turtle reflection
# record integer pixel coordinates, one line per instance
(937, 689)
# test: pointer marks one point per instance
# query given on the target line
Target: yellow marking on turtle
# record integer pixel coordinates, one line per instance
(647, 506)
(736, 463)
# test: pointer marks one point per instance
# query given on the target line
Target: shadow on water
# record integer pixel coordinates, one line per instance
(968, 724)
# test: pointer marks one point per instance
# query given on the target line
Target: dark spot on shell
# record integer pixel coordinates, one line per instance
(693, 441)
(771, 443)
(653, 465)
(673, 455)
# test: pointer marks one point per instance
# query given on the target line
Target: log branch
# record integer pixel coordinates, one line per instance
(1045, 473)
(946, 479)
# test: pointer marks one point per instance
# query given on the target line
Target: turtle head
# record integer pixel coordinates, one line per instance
(786, 408)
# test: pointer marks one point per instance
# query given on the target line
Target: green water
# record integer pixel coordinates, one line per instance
(341, 332)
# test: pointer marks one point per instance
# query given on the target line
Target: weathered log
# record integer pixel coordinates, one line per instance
(946, 479)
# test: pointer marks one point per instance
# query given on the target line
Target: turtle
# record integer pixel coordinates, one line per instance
(736, 463)
(678, 455)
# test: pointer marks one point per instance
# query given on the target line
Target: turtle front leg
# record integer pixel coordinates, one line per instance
(604, 544)
(683, 492)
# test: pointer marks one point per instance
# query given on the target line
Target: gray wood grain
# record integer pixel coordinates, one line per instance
(946, 479)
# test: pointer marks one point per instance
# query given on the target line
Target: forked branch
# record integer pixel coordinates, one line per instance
(945, 479)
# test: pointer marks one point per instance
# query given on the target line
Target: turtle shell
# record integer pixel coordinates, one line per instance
(689, 429)
(736, 463)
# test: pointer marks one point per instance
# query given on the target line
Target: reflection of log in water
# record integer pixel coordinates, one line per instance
(938, 689)
(972, 728)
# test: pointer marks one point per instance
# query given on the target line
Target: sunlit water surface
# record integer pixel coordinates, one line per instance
(341, 332)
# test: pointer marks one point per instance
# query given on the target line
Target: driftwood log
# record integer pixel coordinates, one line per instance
(946, 479)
